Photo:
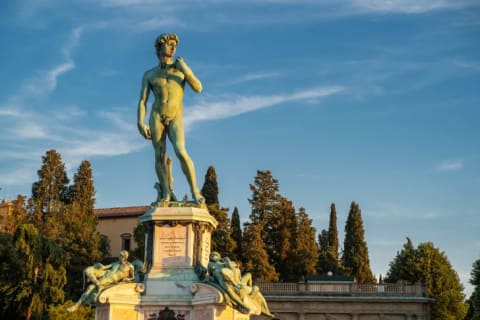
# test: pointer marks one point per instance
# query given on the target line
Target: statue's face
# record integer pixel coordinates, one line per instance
(215, 256)
(123, 257)
(168, 49)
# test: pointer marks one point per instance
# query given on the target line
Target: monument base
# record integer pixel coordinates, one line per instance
(203, 302)
(177, 239)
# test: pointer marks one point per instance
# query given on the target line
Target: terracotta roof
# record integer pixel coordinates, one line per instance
(121, 212)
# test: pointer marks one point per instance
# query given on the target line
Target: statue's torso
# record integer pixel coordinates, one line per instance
(167, 86)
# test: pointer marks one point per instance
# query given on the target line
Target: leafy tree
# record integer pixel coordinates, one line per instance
(404, 265)
(306, 253)
(59, 312)
(256, 257)
(33, 276)
(284, 238)
(222, 241)
(475, 281)
(49, 195)
(426, 264)
(264, 199)
(355, 254)
(83, 244)
(266, 210)
(236, 232)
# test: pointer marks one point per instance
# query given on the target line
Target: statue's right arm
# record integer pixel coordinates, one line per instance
(142, 108)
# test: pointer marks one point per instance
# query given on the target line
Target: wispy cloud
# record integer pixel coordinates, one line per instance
(470, 65)
(409, 6)
(156, 23)
(46, 81)
(395, 211)
(254, 77)
(214, 110)
(450, 165)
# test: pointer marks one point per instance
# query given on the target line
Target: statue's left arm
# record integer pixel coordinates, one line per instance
(191, 79)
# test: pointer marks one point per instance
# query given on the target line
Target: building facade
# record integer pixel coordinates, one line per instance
(118, 224)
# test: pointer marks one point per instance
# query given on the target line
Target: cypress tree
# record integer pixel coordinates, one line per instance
(306, 252)
(236, 232)
(333, 239)
(328, 247)
(427, 265)
(355, 251)
(222, 241)
(210, 187)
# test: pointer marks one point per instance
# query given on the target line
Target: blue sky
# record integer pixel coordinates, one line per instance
(369, 101)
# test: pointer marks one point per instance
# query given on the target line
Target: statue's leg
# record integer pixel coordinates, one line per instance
(159, 147)
(85, 298)
(177, 138)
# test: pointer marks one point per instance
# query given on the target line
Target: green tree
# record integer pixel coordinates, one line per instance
(33, 276)
(255, 255)
(284, 238)
(83, 189)
(49, 195)
(355, 251)
(210, 186)
(404, 265)
(266, 210)
(306, 251)
(236, 232)
(426, 264)
(475, 281)
(333, 258)
(264, 199)
(323, 266)
(328, 247)
(222, 241)
(18, 214)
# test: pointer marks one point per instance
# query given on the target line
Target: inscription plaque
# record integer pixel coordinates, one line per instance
(172, 245)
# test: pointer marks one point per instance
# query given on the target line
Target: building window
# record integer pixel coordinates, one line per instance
(126, 241)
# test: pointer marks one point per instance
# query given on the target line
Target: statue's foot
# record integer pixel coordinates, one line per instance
(198, 198)
(173, 196)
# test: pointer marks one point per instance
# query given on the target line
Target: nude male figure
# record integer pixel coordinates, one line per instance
(102, 276)
(167, 82)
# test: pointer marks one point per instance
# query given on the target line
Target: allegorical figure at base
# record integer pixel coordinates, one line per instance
(238, 290)
(99, 277)
(167, 82)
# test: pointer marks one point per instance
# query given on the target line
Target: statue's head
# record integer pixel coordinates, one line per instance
(123, 255)
(166, 40)
(215, 256)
